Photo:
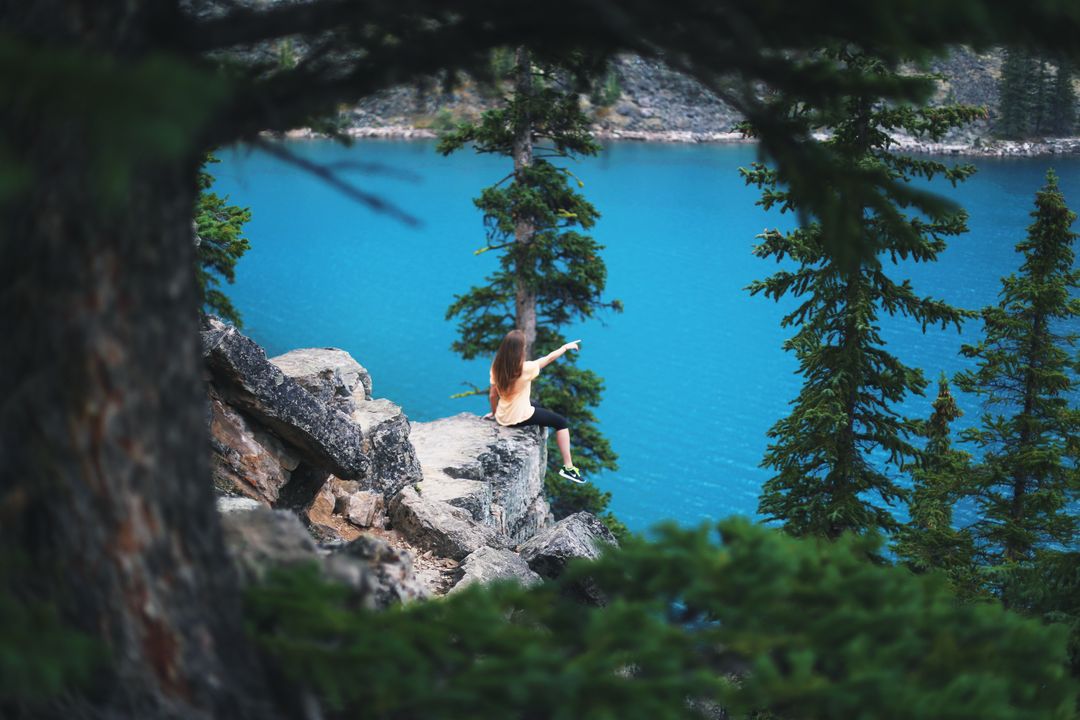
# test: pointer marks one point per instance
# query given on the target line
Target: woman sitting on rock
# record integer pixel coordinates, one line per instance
(511, 382)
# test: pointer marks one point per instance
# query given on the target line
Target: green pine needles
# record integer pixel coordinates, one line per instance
(735, 620)
(550, 271)
(220, 228)
(1028, 374)
(929, 540)
(1034, 101)
(837, 455)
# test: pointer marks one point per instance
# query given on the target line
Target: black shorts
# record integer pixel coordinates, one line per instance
(544, 418)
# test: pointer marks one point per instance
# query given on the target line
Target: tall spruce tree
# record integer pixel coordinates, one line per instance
(828, 479)
(220, 243)
(1062, 112)
(1034, 100)
(550, 272)
(1016, 104)
(1028, 373)
(929, 540)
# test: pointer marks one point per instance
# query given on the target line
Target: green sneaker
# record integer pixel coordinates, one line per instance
(571, 473)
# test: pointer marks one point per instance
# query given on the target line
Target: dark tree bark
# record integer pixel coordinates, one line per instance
(104, 481)
(524, 228)
(104, 445)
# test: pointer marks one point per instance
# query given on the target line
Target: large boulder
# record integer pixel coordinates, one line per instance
(330, 374)
(244, 378)
(494, 473)
(388, 445)
(384, 571)
(335, 377)
(444, 529)
(259, 539)
(581, 535)
(486, 565)
(244, 458)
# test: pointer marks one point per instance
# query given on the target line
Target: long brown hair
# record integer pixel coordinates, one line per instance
(508, 361)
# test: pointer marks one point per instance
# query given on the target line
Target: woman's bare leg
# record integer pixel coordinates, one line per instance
(562, 439)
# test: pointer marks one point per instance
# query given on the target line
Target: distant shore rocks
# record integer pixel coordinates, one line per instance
(646, 101)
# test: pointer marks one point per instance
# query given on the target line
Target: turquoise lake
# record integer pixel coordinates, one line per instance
(694, 369)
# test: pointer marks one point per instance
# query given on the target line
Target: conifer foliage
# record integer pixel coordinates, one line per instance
(1028, 374)
(220, 244)
(1033, 99)
(827, 452)
(550, 271)
(744, 619)
(929, 541)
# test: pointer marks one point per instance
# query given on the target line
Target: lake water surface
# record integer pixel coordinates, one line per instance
(694, 368)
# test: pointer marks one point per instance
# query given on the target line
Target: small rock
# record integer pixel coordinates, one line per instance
(444, 529)
(379, 568)
(327, 527)
(226, 504)
(487, 564)
(364, 509)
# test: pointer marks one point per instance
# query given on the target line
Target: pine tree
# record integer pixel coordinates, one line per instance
(1041, 96)
(1016, 104)
(220, 243)
(1027, 368)
(1062, 112)
(929, 541)
(827, 479)
(550, 272)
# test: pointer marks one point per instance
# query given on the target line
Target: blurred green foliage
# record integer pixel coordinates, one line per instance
(120, 112)
(41, 657)
(758, 623)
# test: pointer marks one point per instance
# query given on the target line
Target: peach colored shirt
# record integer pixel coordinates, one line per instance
(515, 407)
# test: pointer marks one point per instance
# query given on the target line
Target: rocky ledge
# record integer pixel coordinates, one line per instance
(311, 467)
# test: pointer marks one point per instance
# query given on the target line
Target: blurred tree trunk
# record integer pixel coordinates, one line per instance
(104, 482)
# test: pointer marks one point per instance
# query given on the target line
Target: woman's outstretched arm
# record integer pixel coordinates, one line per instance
(556, 354)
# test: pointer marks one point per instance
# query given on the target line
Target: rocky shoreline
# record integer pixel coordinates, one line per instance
(643, 100)
(977, 148)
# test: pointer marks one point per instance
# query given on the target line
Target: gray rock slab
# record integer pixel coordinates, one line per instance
(244, 458)
(387, 443)
(330, 374)
(446, 530)
(487, 564)
(494, 473)
(244, 378)
(581, 535)
(260, 539)
(227, 504)
(384, 572)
